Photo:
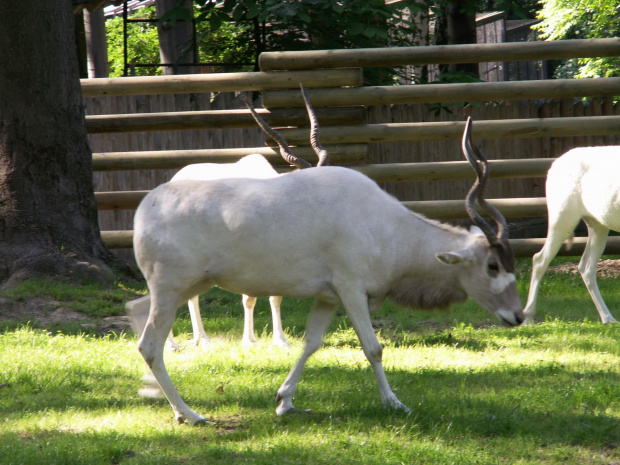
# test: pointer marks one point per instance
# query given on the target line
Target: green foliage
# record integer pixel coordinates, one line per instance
(582, 19)
(225, 44)
(274, 25)
(315, 23)
(142, 44)
(238, 31)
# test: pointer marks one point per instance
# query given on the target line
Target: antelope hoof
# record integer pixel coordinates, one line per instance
(292, 410)
(196, 421)
(286, 406)
(528, 321)
(397, 405)
(281, 343)
(202, 342)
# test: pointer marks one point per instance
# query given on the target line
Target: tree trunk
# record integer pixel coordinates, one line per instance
(96, 44)
(48, 213)
(176, 41)
(455, 23)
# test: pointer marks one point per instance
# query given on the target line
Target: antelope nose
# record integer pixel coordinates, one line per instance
(511, 318)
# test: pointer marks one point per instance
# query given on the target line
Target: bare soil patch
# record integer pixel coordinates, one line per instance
(47, 313)
(606, 268)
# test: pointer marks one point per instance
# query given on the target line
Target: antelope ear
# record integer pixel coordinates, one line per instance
(455, 258)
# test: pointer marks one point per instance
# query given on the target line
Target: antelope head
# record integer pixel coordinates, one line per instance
(494, 286)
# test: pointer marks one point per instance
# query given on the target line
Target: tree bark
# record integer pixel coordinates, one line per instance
(48, 213)
(96, 44)
(176, 41)
(456, 24)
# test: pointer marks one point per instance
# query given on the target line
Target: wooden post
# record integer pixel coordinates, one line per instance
(96, 44)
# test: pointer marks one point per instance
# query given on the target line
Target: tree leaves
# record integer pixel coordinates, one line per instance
(581, 19)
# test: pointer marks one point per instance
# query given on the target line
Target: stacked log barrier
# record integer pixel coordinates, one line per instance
(595, 127)
(154, 166)
(282, 105)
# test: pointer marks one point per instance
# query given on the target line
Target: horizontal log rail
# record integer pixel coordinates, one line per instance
(119, 200)
(528, 247)
(520, 247)
(339, 155)
(220, 82)
(455, 209)
(444, 54)
(391, 172)
(446, 93)
(118, 239)
(453, 130)
(220, 119)
(454, 170)
(175, 159)
(434, 209)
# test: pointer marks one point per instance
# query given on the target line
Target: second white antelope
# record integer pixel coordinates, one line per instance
(583, 184)
(350, 244)
(251, 166)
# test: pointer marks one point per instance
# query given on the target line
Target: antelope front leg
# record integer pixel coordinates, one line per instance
(359, 314)
(318, 321)
(151, 346)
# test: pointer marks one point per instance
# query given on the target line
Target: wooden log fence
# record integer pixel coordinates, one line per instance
(447, 93)
(453, 130)
(444, 54)
(434, 209)
(407, 172)
(338, 97)
(520, 247)
(175, 159)
(221, 82)
(219, 119)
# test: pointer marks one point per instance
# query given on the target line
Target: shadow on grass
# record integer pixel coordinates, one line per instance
(547, 403)
(547, 406)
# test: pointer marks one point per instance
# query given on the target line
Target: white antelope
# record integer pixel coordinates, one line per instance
(583, 184)
(250, 166)
(350, 244)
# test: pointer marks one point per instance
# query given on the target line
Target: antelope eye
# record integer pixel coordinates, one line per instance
(493, 266)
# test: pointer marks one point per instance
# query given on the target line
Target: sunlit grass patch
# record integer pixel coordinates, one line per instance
(479, 393)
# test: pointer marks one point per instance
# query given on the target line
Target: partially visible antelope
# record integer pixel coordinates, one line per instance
(583, 184)
(250, 166)
(351, 244)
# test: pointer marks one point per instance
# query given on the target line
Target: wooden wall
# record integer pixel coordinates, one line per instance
(132, 180)
(436, 151)
(395, 152)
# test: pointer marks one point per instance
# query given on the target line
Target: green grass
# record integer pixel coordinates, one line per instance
(479, 393)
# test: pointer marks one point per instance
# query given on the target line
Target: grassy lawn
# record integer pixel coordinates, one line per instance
(479, 393)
